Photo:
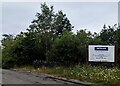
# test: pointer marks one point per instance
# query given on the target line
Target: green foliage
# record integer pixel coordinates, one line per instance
(50, 38)
(7, 44)
(108, 35)
(65, 50)
(111, 36)
(83, 37)
(35, 44)
(117, 40)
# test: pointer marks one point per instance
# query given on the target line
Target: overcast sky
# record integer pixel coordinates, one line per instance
(119, 13)
(16, 17)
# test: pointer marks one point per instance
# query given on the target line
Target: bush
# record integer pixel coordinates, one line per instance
(65, 50)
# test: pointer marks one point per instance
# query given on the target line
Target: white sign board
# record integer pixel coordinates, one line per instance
(101, 53)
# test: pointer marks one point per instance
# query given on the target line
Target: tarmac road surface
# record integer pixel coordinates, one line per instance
(15, 77)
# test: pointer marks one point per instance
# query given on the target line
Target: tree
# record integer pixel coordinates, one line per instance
(7, 46)
(117, 40)
(84, 38)
(49, 37)
(65, 50)
(36, 43)
(49, 26)
(61, 23)
(107, 35)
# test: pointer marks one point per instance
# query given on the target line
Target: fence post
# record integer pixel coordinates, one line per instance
(116, 53)
(86, 47)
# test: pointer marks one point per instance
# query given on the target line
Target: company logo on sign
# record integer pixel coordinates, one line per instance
(101, 48)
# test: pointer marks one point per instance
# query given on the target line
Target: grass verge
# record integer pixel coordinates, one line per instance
(110, 76)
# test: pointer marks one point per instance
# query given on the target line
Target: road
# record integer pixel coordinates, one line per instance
(15, 77)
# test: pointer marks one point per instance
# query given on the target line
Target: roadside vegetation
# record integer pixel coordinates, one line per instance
(108, 76)
(50, 38)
